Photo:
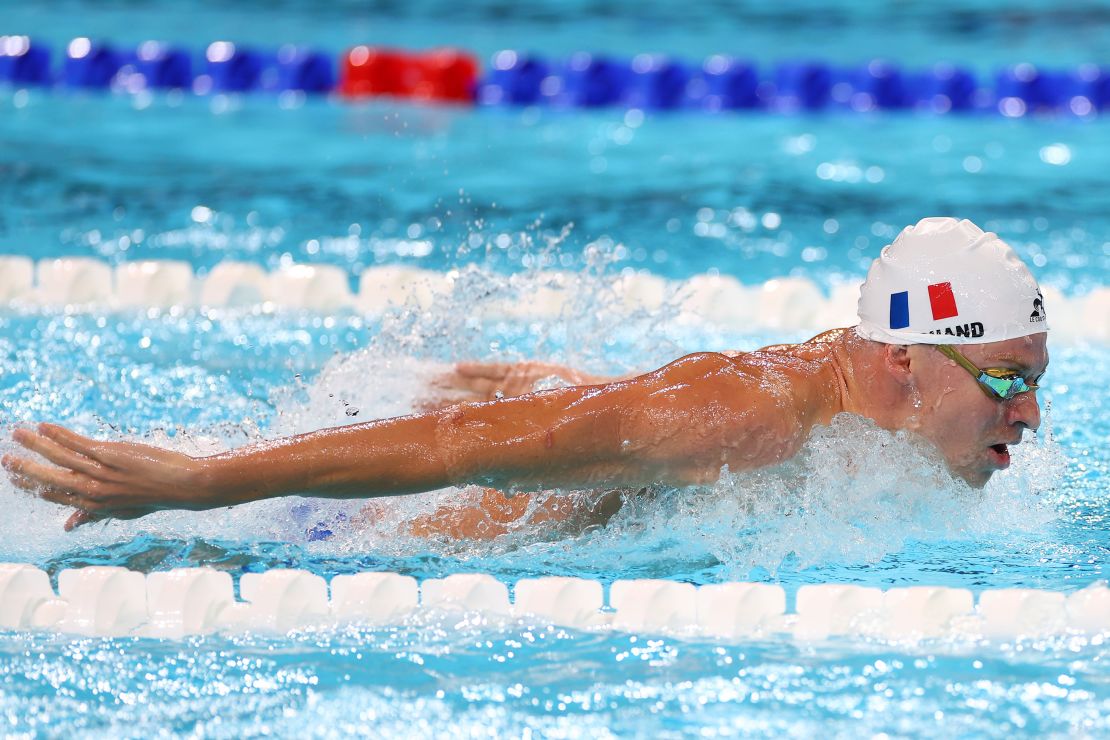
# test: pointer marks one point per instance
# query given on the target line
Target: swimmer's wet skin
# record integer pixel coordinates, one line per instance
(942, 282)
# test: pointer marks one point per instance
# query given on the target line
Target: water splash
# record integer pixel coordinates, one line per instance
(855, 493)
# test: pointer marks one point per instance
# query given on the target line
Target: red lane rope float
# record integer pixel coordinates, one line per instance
(445, 75)
(448, 75)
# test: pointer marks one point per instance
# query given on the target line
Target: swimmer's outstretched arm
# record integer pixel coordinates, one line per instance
(677, 425)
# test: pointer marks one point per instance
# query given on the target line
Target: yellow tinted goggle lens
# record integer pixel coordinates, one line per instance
(1004, 383)
(1000, 383)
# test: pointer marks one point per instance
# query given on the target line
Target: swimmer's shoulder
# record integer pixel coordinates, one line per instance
(804, 361)
(813, 348)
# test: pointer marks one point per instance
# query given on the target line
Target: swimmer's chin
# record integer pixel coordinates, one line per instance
(979, 477)
(976, 479)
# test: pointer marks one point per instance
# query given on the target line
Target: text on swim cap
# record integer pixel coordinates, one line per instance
(973, 330)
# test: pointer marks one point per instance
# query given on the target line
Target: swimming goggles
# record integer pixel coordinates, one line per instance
(998, 383)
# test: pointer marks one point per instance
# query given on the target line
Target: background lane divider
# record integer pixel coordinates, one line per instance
(115, 602)
(781, 304)
(582, 80)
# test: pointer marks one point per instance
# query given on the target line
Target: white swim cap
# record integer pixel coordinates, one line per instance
(945, 281)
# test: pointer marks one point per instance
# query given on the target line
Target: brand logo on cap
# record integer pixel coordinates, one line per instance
(942, 304)
(1038, 308)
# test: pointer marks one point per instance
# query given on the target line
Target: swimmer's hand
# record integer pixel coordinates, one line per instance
(486, 381)
(104, 480)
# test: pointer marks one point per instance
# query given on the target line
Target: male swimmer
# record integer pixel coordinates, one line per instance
(951, 344)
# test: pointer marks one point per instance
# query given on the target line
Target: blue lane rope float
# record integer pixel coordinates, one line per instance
(583, 80)
(23, 62)
(162, 67)
(726, 84)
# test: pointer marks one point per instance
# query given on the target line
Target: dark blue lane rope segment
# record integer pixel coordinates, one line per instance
(725, 84)
(231, 68)
(23, 62)
(162, 67)
(90, 65)
(583, 80)
(514, 79)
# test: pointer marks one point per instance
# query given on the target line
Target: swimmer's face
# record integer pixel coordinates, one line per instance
(973, 431)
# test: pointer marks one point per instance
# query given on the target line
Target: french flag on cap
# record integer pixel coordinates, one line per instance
(942, 302)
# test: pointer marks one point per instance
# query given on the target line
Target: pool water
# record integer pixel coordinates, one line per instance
(501, 195)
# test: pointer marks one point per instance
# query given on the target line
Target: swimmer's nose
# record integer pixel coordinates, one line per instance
(1024, 409)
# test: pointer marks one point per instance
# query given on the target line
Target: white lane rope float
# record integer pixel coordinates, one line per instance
(111, 601)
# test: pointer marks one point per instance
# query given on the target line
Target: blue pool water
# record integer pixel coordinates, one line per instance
(505, 193)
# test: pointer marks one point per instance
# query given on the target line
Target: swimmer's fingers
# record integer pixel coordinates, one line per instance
(80, 517)
(48, 493)
(465, 378)
(89, 509)
(488, 379)
(83, 516)
(50, 478)
(55, 496)
(484, 370)
(57, 453)
(30, 485)
(90, 448)
(58, 496)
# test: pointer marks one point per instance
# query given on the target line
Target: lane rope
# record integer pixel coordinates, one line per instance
(114, 602)
(82, 284)
(583, 80)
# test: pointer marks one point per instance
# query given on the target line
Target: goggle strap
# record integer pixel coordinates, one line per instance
(959, 359)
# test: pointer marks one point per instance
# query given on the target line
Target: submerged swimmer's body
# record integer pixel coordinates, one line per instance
(678, 425)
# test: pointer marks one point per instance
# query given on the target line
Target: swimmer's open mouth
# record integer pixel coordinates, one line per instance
(1001, 454)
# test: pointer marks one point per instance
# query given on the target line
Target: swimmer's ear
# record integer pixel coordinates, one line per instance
(897, 360)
